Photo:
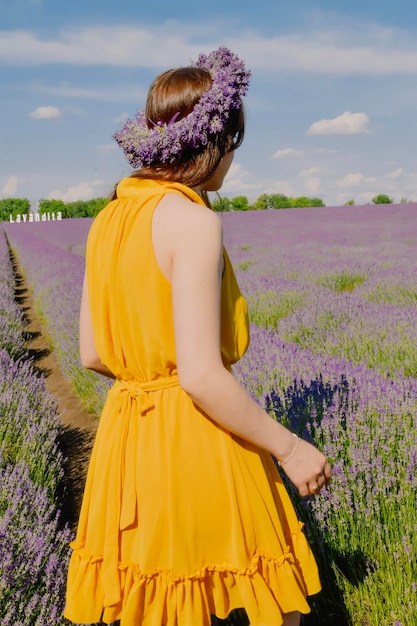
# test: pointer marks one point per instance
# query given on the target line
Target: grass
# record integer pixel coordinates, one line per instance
(341, 281)
(267, 308)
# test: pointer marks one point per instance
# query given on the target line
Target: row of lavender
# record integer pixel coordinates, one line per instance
(334, 354)
(334, 316)
(51, 255)
(33, 541)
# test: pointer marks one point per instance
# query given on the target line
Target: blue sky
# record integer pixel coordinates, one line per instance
(331, 111)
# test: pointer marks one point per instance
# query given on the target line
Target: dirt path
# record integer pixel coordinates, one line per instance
(79, 425)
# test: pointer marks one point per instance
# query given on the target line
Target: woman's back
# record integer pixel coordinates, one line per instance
(130, 297)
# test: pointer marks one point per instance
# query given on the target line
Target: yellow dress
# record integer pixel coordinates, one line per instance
(180, 519)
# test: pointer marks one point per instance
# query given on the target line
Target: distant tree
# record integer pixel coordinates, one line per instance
(262, 202)
(405, 201)
(272, 201)
(47, 205)
(97, 205)
(382, 198)
(221, 204)
(301, 201)
(86, 208)
(279, 201)
(79, 208)
(316, 202)
(13, 207)
(240, 203)
(350, 203)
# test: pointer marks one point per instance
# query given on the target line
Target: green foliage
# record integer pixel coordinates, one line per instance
(86, 208)
(303, 201)
(350, 202)
(221, 204)
(52, 206)
(261, 203)
(265, 201)
(316, 202)
(245, 265)
(382, 198)
(13, 207)
(342, 281)
(240, 203)
(80, 208)
(398, 295)
(267, 307)
(272, 201)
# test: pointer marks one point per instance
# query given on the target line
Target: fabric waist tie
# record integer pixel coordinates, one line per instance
(128, 401)
(140, 390)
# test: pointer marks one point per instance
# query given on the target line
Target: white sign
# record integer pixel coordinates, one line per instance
(35, 217)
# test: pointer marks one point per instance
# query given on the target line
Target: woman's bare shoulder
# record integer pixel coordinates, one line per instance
(176, 213)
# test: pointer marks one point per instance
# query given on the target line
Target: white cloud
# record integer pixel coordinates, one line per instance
(338, 51)
(11, 185)
(83, 191)
(354, 179)
(281, 186)
(311, 171)
(287, 153)
(106, 93)
(396, 174)
(102, 45)
(346, 124)
(236, 180)
(313, 185)
(351, 180)
(365, 197)
(45, 113)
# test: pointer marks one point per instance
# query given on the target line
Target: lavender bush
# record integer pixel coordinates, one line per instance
(29, 426)
(338, 281)
(55, 275)
(33, 552)
(333, 302)
(334, 356)
(34, 548)
(364, 525)
(12, 318)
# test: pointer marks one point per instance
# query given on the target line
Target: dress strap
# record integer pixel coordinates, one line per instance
(128, 400)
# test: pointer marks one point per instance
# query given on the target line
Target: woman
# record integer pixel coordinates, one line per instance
(184, 515)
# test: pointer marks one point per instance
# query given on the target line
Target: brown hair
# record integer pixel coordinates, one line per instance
(175, 92)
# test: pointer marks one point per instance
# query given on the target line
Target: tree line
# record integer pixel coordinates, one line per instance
(90, 208)
(81, 208)
(265, 201)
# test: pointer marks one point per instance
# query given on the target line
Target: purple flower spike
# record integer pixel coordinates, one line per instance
(162, 143)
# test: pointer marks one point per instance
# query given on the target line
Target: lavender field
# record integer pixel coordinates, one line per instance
(333, 304)
(33, 537)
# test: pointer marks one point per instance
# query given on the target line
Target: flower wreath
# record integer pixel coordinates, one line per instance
(164, 142)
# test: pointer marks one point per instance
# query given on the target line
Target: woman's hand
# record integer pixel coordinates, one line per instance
(307, 468)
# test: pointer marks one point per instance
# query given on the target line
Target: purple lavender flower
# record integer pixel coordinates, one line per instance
(34, 552)
(162, 143)
(55, 274)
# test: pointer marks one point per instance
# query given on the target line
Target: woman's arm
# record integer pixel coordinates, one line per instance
(88, 353)
(193, 236)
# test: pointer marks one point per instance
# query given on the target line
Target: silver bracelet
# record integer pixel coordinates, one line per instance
(281, 463)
